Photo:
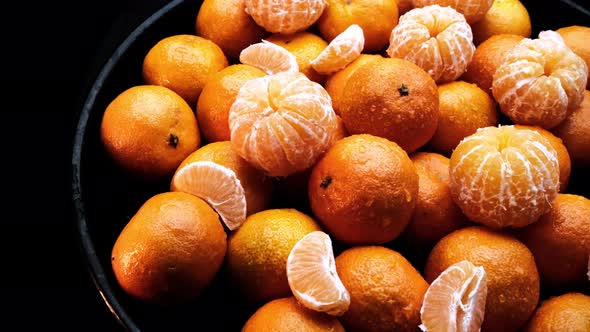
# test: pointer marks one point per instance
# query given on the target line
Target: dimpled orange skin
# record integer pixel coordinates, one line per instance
(560, 242)
(386, 291)
(183, 63)
(563, 157)
(226, 23)
(566, 312)
(436, 214)
(258, 188)
(576, 38)
(504, 17)
(463, 108)
(287, 315)
(574, 131)
(376, 18)
(216, 98)
(364, 190)
(148, 130)
(336, 82)
(170, 250)
(487, 58)
(512, 276)
(394, 99)
(257, 252)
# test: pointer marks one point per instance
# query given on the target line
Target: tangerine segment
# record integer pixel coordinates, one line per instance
(438, 39)
(312, 276)
(455, 301)
(473, 10)
(341, 51)
(217, 185)
(269, 57)
(286, 16)
(540, 81)
(504, 176)
(282, 123)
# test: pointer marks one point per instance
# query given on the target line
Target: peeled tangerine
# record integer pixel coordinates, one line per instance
(504, 176)
(456, 300)
(286, 16)
(437, 39)
(282, 123)
(540, 81)
(312, 277)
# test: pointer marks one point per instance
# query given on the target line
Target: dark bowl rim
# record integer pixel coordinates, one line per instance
(95, 268)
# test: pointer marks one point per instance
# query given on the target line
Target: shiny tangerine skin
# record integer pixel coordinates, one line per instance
(148, 130)
(170, 250)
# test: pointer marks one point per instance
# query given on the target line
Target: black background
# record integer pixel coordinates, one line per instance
(51, 53)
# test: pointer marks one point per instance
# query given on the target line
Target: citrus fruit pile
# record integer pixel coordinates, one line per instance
(362, 165)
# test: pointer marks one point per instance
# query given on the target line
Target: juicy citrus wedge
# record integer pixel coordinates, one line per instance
(455, 301)
(217, 185)
(269, 57)
(311, 272)
(341, 51)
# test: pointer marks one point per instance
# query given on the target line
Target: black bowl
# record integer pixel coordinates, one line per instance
(105, 198)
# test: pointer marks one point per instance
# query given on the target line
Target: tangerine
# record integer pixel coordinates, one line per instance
(437, 39)
(504, 176)
(148, 130)
(364, 190)
(512, 277)
(282, 123)
(183, 63)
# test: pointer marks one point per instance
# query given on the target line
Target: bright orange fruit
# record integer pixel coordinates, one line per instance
(376, 18)
(226, 23)
(512, 276)
(148, 130)
(305, 46)
(574, 131)
(565, 312)
(216, 99)
(363, 190)
(386, 291)
(287, 315)
(257, 252)
(560, 242)
(183, 63)
(487, 58)
(170, 250)
(463, 108)
(391, 98)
